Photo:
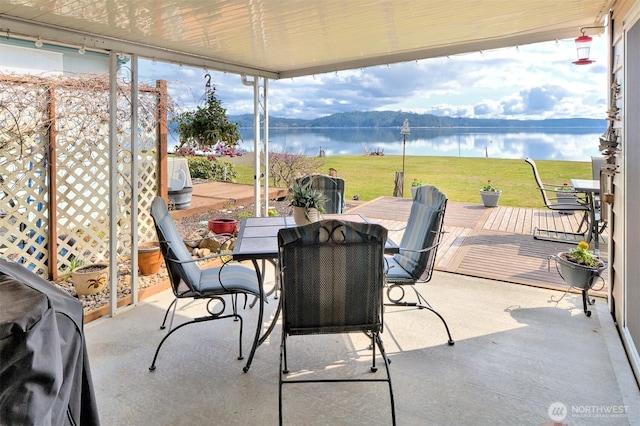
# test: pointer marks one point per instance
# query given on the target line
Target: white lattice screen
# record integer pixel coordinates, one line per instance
(80, 123)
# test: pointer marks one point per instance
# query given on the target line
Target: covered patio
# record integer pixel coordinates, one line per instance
(517, 351)
(516, 354)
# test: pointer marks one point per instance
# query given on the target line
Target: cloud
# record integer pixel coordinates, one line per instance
(525, 82)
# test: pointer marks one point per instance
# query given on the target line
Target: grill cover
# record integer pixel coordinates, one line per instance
(44, 368)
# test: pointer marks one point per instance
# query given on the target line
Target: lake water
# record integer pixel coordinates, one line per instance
(575, 144)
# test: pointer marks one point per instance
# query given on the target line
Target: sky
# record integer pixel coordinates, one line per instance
(535, 81)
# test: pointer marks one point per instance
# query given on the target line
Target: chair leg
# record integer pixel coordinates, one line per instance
(426, 305)
(376, 341)
(173, 304)
(383, 353)
(422, 303)
(193, 321)
(567, 237)
(373, 350)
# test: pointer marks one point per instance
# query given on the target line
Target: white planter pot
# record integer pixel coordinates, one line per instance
(490, 198)
(302, 218)
(90, 279)
(414, 189)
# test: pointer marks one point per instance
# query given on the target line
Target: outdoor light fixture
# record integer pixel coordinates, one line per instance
(38, 42)
(81, 50)
(583, 46)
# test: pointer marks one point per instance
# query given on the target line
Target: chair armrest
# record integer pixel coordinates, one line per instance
(421, 250)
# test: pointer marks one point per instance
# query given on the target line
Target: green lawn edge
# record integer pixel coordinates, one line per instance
(460, 178)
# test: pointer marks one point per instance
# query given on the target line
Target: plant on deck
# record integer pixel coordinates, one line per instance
(489, 187)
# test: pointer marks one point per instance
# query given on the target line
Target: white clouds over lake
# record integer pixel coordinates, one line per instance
(527, 82)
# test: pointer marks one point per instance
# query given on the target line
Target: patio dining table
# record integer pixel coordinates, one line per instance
(258, 240)
(591, 188)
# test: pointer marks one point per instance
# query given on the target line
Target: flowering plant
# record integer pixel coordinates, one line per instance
(565, 187)
(416, 182)
(489, 187)
(581, 255)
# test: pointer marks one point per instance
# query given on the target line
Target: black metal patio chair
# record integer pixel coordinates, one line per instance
(332, 276)
(560, 205)
(418, 248)
(188, 281)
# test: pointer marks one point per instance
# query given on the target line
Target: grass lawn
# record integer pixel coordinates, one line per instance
(460, 179)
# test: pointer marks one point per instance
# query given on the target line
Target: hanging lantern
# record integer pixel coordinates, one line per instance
(583, 46)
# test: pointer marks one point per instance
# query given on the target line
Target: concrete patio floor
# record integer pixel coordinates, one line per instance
(517, 357)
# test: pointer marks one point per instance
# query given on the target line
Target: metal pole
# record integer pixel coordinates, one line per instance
(113, 183)
(404, 142)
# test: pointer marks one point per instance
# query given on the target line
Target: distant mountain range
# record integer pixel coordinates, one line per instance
(374, 119)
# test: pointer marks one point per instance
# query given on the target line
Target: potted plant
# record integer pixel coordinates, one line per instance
(307, 203)
(149, 257)
(90, 279)
(207, 126)
(414, 187)
(579, 268)
(490, 194)
(565, 194)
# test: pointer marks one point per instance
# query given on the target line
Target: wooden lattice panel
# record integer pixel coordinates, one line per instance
(147, 168)
(82, 165)
(23, 190)
(77, 113)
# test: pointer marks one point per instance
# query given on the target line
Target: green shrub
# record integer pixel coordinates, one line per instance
(203, 168)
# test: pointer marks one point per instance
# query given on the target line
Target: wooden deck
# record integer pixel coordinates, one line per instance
(494, 243)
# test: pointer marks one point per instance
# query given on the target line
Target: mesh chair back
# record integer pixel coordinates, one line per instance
(332, 187)
(423, 231)
(332, 277)
(184, 276)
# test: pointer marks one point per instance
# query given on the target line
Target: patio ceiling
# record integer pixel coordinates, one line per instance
(290, 38)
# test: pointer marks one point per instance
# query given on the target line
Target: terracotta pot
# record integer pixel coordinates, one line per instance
(149, 258)
(222, 226)
(90, 279)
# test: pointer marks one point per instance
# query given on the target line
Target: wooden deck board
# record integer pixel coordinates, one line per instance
(494, 243)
